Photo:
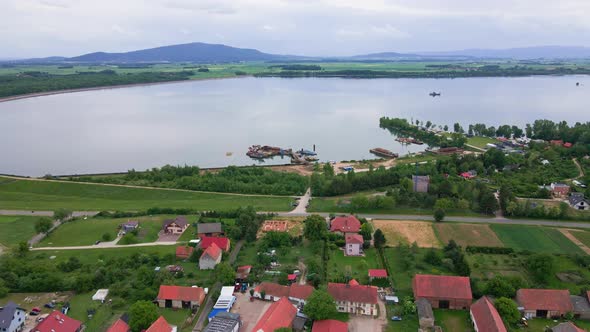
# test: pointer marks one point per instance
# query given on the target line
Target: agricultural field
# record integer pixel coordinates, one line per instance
(467, 234)
(408, 232)
(486, 266)
(50, 195)
(582, 236)
(15, 229)
(535, 239)
(480, 142)
(357, 268)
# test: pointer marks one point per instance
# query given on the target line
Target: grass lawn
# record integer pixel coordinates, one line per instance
(45, 195)
(16, 229)
(467, 234)
(535, 239)
(486, 266)
(480, 142)
(453, 320)
(101, 320)
(408, 323)
(359, 266)
(582, 236)
(94, 255)
(177, 318)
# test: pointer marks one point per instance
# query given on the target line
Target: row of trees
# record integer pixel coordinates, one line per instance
(402, 128)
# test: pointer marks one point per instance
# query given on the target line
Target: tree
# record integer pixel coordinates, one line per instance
(499, 286)
(379, 239)
(61, 214)
(43, 225)
(432, 257)
(320, 305)
(3, 289)
(224, 273)
(446, 128)
(366, 231)
(439, 215)
(22, 249)
(408, 306)
(507, 310)
(457, 128)
(315, 228)
(107, 236)
(541, 266)
(141, 315)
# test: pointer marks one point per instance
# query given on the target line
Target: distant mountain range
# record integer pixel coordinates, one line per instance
(207, 53)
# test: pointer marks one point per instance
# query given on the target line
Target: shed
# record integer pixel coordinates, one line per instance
(425, 314)
(100, 295)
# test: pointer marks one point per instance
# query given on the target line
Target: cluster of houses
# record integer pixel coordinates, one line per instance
(452, 292)
(562, 190)
(211, 240)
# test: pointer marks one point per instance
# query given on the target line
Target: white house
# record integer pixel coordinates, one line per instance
(12, 318)
(354, 245)
(578, 202)
(210, 257)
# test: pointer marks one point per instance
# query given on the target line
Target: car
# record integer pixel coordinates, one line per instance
(49, 305)
(396, 318)
(35, 311)
(97, 242)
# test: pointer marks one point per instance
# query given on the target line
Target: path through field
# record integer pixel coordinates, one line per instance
(571, 237)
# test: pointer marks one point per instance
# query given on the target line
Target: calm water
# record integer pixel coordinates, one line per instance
(197, 123)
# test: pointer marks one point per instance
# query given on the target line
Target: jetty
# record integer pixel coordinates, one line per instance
(381, 152)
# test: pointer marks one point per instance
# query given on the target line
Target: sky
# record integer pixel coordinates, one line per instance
(39, 28)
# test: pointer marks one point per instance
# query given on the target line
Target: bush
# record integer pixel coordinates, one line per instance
(489, 250)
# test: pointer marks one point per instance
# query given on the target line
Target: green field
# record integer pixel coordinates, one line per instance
(582, 236)
(92, 256)
(46, 195)
(480, 142)
(85, 232)
(16, 229)
(535, 239)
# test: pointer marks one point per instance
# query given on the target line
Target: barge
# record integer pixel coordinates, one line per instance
(381, 152)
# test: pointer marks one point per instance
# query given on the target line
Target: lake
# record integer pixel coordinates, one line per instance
(201, 122)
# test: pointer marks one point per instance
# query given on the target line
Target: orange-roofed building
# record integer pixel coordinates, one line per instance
(345, 224)
(210, 257)
(329, 325)
(119, 326)
(443, 292)
(354, 298)
(279, 315)
(183, 252)
(161, 325)
(485, 317)
(179, 297)
(544, 303)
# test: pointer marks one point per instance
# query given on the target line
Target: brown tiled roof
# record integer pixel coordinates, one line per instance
(486, 316)
(348, 224)
(545, 299)
(449, 287)
(353, 293)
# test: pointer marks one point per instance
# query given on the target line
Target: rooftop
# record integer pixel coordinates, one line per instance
(181, 293)
(450, 287)
(280, 314)
(345, 224)
(329, 325)
(353, 292)
(544, 299)
(56, 321)
(486, 316)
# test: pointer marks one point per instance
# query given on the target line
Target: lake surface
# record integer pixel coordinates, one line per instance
(198, 123)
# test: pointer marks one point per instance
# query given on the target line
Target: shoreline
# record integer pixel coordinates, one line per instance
(107, 87)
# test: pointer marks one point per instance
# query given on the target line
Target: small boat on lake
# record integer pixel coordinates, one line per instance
(434, 94)
(381, 152)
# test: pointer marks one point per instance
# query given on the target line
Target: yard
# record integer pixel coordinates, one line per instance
(16, 229)
(480, 141)
(408, 232)
(486, 266)
(535, 239)
(467, 234)
(339, 266)
(49, 195)
(453, 320)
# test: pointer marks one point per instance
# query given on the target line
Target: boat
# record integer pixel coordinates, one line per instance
(381, 152)
(307, 152)
(255, 154)
(434, 94)
(415, 141)
(404, 140)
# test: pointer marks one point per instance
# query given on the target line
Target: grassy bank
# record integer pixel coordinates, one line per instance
(42, 195)
(16, 229)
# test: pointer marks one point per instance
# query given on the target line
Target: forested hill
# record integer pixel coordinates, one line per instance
(193, 52)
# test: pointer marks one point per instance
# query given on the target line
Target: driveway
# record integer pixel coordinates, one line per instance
(163, 237)
(303, 201)
(361, 323)
(249, 312)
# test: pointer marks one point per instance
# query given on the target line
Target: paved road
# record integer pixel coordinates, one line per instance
(107, 245)
(303, 201)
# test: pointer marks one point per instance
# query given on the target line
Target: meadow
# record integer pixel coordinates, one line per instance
(535, 239)
(15, 229)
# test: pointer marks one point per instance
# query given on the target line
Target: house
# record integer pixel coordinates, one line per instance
(581, 307)
(421, 183)
(566, 327)
(485, 317)
(210, 257)
(469, 175)
(425, 314)
(354, 245)
(183, 252)
(354, 298)
(560, 189)
(275, 226)
(221, 242)
(242, 273)
(178, 297)
(56, 321)
(280, 314)
(377, 274)
(119, 326)
(176, 226)
(578, 202)
(129, 226)
(329, 325)
(443, 292)
(12, 317)
(224, 322)
(161, 325)
(544, 303)
(292, 278)
(209, 229)
(345, 224)
(274, 292)
(567, 145)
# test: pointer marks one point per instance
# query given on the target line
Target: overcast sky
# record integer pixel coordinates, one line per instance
(38, 28)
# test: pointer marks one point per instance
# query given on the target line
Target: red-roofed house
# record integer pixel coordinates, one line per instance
(329, 325)
(354, 298)
(183, 252)
(345, 224)
(567, 145)
(279, 314)
(544, 303)
(178, 297)
(377, 273)
(443, 292)
(161, 325)
(210, 257)
(221, 242)
(119, 326)
(354, 245)
(485, 317)
(58, 322)
(274, 292)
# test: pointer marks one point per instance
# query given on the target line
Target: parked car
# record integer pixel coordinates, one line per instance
(49, 305)
(396, 318)
(35, 311)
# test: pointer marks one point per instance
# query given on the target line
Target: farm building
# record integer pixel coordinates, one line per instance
(485, 317)
(119, 326)
(581, 307)
(179, 297)
(329, 325)
(275, 226)
(209, 229)
(544, 303)
(279, 314)
(129, 226)
(175, 226)
(242, 273)
(578, 202)
(560, 189)
(183, 252)
(354, 298)
(210, 257)
(161, 325)
(224, 322)
(12, 317)
(425, 314)
(443, 292)
(377, 273)
(421, 183)
(221, 242)
(345, 224)
(274, 292)
(354, 245)
(566, 327)
(56, 321)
